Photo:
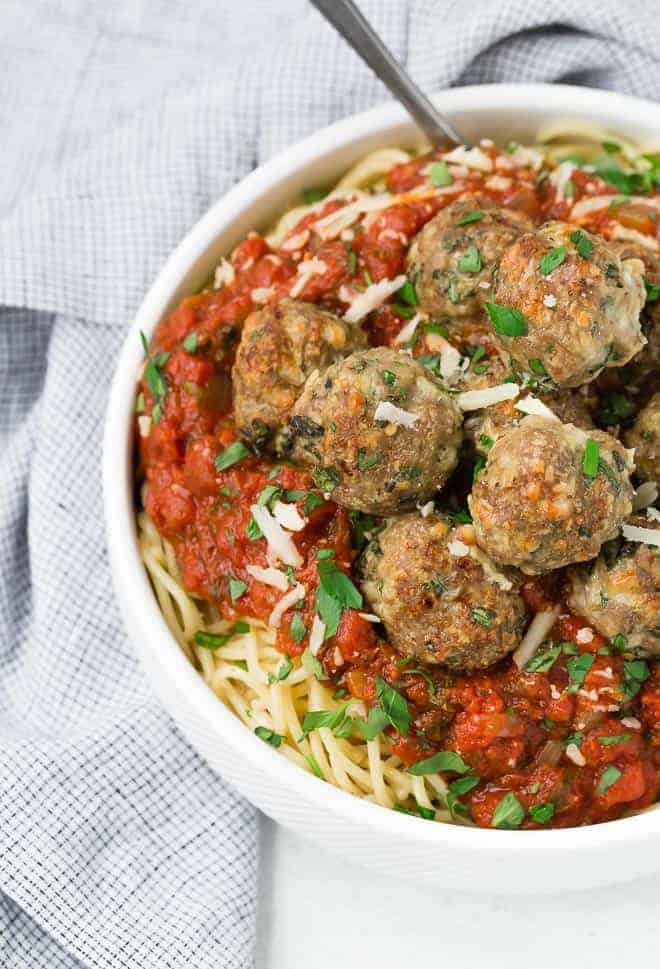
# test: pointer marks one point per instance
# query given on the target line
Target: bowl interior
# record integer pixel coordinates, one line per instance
(501, 112)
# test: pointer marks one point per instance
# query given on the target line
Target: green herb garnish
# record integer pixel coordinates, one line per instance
(269, 736)
(444, 760)
(469, 217)
(591, 458)
(470, 261)
(231, 455)
(583, 243)
(553, 259)
(440, 175)
(506, 320)
(609, 776)
(509, 813)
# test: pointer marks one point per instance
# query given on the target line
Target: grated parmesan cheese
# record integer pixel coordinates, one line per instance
(294, 595)
(308, 268)
(631, 235)
(426, 510)
(476, 399)
(584, 635)
(269, 576)
(369, 616)
(385, 411)
(373, 297)
(144, 425)
(550, 301)
(407, 332)
(295, 242)
(532, 405)
(473, 158)
(539, 628)
(575, 755)
(262, 295)
(653, 514)
(224, 274)
(458, 549)
(288, 516)
(280, 544)
(647, 536)
(316, 636)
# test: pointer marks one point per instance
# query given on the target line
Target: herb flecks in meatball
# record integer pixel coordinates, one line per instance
(437, 602)
(619, 593)
(550, 494)
(454, 257)
(567, 305)
(379, 431)
(280, 346)
(644, 437)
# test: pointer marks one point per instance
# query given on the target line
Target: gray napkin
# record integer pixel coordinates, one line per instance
(121, 124)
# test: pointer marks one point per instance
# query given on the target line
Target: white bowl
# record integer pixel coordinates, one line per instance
(447, 856)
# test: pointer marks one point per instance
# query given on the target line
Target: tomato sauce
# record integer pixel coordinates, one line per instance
(572, 742)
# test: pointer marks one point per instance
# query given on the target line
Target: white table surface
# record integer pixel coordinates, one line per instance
(320, 912)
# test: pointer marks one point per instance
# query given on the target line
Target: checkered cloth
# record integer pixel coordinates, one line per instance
(121, 124)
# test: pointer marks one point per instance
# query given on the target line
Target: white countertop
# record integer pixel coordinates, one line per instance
(320, 912)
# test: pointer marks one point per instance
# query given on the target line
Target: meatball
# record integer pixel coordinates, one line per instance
(576, 304)
(619, 593)
(550, 495)
(453, 259)
(567, 405)
(644, 437)
(437, 601)
(280, 346)
(379, 430)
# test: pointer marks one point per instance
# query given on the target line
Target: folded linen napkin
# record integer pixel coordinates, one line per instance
(122, 123)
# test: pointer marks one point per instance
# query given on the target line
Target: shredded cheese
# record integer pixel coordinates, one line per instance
(280, 544)
(294, 595)
(647, 536)
(476, 399)
(539, 628)
(473, 158)
(385, 411)
(316, 636)
(653, 514)
(427, 509)
(373, 297)
(407, 332)
(532, 405)
(369, 616)
(575, 755)
(458, 549)
(144, 424)
(307, 269)
(269, 576)
(288, 516)
(224, 274)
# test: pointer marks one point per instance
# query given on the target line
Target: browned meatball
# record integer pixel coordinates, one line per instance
(436, 600)
(575, 304)
(379, 431)
(280, 346)
(644, 437)
(550, 495)
(453, 259)
(567, 405)
(619, 593)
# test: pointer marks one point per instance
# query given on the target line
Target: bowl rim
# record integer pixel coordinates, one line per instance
(143, 619)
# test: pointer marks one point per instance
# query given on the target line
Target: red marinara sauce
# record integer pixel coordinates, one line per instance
(573, 740)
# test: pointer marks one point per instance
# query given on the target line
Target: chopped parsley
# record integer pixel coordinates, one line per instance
(470, 261)
(191, 343)
(652, 291)
(444, 760)
(537, 368)
(312, 195)
(394, 706)
(544, 659)
(282, 672)
(326, 478)
(312, 665)
(440, 175)
(375, 723)
(388, 377)
(469, 217)
(407, 294)
(583, 243)
(366, 460)
(237, 588)
(578, 667)
(313, 765)
(553, 259)
(635, 674)
(506, 320)
(335, 593)
(591, 458)
(269, 495)
(609, 776)
(231, 455)
(361, 526)
(269, 736)
(333, 719)
(252, 529)
(619, 738)
(509, 813)
(482, 616)
(297, 629)
(615, 407)
(542, 813)
(214, 641)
